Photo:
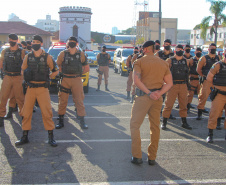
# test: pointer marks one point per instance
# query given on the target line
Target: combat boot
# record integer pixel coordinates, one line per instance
(51, 141)
(106, 87)
(1, 121)
(61, 122)
(82, 122)
(172, 117)
(188, 107)
(205, 111)
(164, 123)
(209, 139)
(9, 114)
(128, 95)
(98, 88)
(199, 114)
(185, 124)
(131, 101)
(218, 124)
(24, 139)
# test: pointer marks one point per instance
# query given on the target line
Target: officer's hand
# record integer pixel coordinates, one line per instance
(154, 96)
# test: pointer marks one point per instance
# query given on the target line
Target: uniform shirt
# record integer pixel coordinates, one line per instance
(214, 70)
(50, 62)
(202, 62)
(3, 54)
(134, 58)
(152, 70)
(191, 61)
(128, 60)
(98, 56)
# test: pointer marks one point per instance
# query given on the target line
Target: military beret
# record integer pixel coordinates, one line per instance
(157, 41)
(136, 48)
(212, 44)
(29, 42)
(179, 46)
(24, 43)
(73, 38)
(13, 36)
(187, 46)
(167, 40)
(148, 43)
(37, 37)
(198, 49)
(104, 47)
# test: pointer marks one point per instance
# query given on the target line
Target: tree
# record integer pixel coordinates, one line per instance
(119, 42)
(216, 9)
(129, 31)
(140, 40)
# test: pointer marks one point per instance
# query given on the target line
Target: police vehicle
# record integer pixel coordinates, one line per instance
(91, 58)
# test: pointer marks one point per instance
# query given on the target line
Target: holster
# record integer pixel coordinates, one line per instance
(64, 89)
(99, 72)
(24, 84)
(139, 92)
(213, 93)
(2, 74)
(201, 79)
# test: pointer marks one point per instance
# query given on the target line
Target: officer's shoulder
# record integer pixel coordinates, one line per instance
(6, 49)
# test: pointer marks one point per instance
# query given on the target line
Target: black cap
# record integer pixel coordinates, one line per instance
(167, 40)
(29, 42)
(198, 49)
(157, 41)
(73, 38)
(104, 47)
(179, 46)
(187, 46)
(136, 48)
(13, 36)
(212, 44)
(24, 43)
(148, 43)
(37, 37)
(19, 45)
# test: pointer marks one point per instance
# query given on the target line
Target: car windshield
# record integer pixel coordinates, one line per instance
(90, 54)
(111, 53)
(55, 52)
(127, 52)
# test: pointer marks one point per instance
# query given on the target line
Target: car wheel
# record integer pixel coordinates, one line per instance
(86, 88)
(120, 71)
(115, 70)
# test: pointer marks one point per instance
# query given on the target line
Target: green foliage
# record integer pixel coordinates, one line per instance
(119, 42)
(129, 31)
(97, 39)
(197, 27)
(140, 41)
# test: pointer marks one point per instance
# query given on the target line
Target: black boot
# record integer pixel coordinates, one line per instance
(36, 103)
(24, 139)
(177, 106)
(188, 107)
(205, 111)
(218, 124)
(98, 88)
(51, 141)
(106, 87)
(185, 124)
(61, 122)
(164, 122)
(128, 95)
(172, 117)
(15, 109)
(9, 114)
(199, 114)
(131, 101)
(209, 139)
(82, 122)
(1, 121)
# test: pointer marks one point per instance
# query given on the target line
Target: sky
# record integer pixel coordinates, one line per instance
(109, 13)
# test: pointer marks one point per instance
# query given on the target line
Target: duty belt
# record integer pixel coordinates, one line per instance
(221, 92)
(66, 76)
(64, 89)
(12, 74)
(36, 85)
(141, 93)
(193, 78)
(179, 82)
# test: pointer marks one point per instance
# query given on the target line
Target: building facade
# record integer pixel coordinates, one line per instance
(48, 24)
(76, 21)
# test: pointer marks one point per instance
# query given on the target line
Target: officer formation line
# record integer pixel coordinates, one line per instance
(154, 76)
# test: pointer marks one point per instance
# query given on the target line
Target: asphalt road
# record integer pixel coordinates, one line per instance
(101, 154)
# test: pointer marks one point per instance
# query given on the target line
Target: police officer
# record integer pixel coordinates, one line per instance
(24, 44)
(179, 69)
(204, 65)
(193, 76)
(11, 61)
(73, 64)
(36, 69)
(129, 65)
(217, 78)
(29, 46)
(150, 73)
(187, 50)
(103, 60)
(157, 46)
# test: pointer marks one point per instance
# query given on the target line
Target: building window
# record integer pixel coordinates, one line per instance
(191, 36)
(220, 35)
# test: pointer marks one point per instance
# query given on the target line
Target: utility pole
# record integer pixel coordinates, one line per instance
(160, 17)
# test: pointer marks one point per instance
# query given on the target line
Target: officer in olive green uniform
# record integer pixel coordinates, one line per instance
(217, 78)
(11, 61)
(204, 65)
(73, 63)
(179, 69)
(150, 73)
(36, 70)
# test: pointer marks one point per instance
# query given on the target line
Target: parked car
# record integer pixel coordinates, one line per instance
(91, 58)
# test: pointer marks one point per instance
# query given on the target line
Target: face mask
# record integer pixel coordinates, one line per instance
(179, 53)
(187, 50)
(103, 50)
(135, 52)
(198, 55)
(213, 51)
(167, 48)
(72, 44)
(36, 47)
(12, 43)
(157, 47)
(29, 47)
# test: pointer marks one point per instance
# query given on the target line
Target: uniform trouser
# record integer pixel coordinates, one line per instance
(129, 81)
(180, 91)
(11, 84)
(204, 94)
(217, 105)
(144, 105)
(43, 98)
(105, 70)
(12, 100)
(194, 85)
(76, 86)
